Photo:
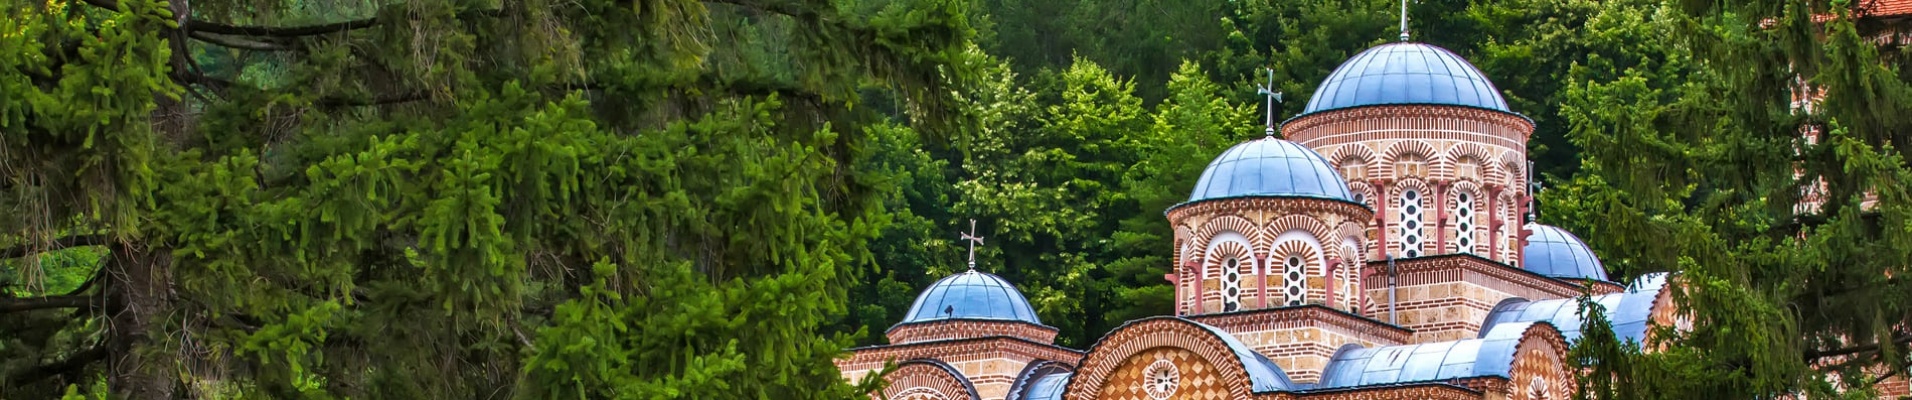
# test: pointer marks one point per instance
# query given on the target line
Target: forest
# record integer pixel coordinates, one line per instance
(713, 199)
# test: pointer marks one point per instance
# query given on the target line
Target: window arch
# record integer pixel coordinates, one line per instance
(1231, 284)
(1411, 223)
(1464, 241)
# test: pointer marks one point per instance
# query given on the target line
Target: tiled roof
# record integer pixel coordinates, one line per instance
(1885, 8)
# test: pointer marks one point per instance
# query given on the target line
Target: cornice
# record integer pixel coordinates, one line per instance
(1224, 205)
(1335, 318)
(1470, 262)
(1299, 124)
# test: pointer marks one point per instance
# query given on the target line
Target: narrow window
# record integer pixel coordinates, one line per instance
(1231, 285)
(1464, 224)
(1295, 283)
(1410, 223)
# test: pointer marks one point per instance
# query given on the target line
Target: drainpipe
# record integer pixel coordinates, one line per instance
(1392, 311)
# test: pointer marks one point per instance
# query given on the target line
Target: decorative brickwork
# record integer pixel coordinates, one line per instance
(1446, 297)
(1112, 369)
(1424, 391)
(957, 352)
(926, 380)
(1540, 367)
(1302, 339)
(1436, 154)
(1262, 235)
(950, 329)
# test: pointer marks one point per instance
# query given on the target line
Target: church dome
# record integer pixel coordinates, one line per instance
(971, 295)
(1405, 73)
(1554, 252)
(1270, 167)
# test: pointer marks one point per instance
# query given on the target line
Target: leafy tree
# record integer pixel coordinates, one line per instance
(1193, 126)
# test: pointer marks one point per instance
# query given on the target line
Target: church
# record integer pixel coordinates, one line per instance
(1375, 249)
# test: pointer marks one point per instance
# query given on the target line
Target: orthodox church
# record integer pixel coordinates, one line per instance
(1375, 249)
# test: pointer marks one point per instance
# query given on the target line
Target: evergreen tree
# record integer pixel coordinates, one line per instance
(1701, 165)
(437, 199)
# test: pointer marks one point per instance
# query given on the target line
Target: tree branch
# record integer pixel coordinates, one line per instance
(9, 305)
(236, 43)
(61, 243)
(1812, 355)
(275, 31)
(73, 362)
(770, 6)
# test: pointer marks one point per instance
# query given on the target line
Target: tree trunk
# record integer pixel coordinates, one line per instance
(140, 300)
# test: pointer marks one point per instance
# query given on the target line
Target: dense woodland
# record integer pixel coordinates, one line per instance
(712, 199)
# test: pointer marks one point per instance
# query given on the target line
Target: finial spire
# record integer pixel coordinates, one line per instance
(1268, 90)
(973, 241)
(1403, 20)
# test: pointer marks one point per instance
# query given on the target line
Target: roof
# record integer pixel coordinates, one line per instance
(1270, 167)
(1629, 312)
(971, 295)
(1490, 355)
(1885, 8)
(1554, 252)
(1045, 387)
(1405, 73)
(1263, 374)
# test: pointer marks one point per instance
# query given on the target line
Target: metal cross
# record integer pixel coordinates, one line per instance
(973, 241)
(1273, 96)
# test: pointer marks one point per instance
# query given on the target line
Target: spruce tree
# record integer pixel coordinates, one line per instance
(443, 199)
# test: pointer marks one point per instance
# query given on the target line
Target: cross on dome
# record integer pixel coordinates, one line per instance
(973, 241)
(1273, 96)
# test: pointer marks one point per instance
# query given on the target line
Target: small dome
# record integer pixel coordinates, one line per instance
(1270, 167)
(971, 295)
(1554, 252)
(1405, 73)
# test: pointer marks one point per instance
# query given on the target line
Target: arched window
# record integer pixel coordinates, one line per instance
(1350, 271)
(1296, 282)
(1231, 284)
(1410, 223)
(1464, 224)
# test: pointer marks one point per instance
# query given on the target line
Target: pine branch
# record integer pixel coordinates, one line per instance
(71, 363)
(10, 305)
(70, 241)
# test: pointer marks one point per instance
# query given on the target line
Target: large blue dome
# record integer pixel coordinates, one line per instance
(1554, 252)
(1405, 73)
(971, 295)
(1270, 167)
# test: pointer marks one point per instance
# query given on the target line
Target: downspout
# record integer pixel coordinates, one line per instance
(1392, 312)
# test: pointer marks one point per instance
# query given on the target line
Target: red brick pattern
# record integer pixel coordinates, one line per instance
(1197, 378)
(969, 329)
(1214, 228)
(925, 381)
(1102, 369)
(958, 351)
(1428, 391)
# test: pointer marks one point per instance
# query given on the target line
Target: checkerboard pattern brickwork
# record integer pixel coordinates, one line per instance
(1102, 373)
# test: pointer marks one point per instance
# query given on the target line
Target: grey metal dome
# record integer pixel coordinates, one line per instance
(1554, 252)
(971, 295)
(1405, 73)
(1270, 167)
